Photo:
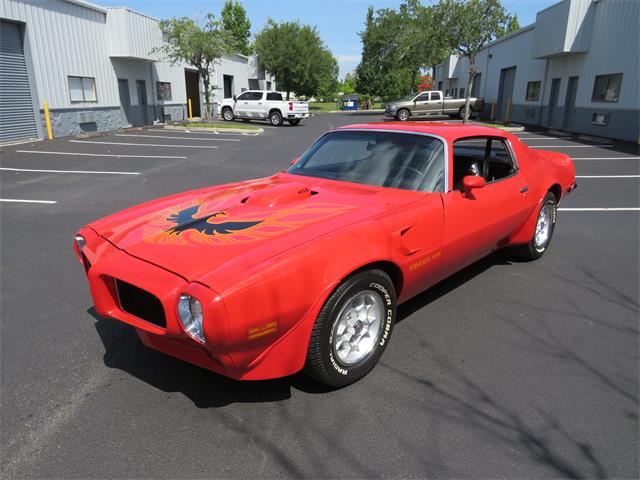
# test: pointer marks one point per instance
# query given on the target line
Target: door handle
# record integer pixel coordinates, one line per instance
(259, 103)
(524, 189)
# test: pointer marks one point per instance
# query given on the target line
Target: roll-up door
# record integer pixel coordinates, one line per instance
(17, 118)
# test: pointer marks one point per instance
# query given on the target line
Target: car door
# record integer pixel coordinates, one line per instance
(255, 104)
(435, 103)
(477, 221)
(241, 107)
(421, 104)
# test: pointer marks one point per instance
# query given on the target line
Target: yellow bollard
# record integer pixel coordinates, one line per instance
(47, 119)
(190, 112)
(493, 110)
(508, 115)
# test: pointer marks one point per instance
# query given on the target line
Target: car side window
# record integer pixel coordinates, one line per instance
(423, 97)
(244, 96)
(274, 96)
(435, 96)
(487, 157)
(256, 96)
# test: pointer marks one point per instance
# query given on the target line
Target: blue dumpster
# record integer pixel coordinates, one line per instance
(349, 101)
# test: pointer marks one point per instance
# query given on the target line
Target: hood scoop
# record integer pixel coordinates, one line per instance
(279, 195)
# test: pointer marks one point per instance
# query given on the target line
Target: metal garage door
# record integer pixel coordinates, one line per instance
(17, 119)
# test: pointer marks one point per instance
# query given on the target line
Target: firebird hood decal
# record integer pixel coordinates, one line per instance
(219, 231)
(185, 220)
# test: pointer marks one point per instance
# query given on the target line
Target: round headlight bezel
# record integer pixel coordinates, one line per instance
(191, 316)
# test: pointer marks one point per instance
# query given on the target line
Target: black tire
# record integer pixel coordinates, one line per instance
(227, 114)
(323, 363)
(534, 249)
(275, 118)
(461, 112)
(294, 122)
(403, 115)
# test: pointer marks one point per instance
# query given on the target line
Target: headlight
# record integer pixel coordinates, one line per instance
(80, 242)
(190, 314)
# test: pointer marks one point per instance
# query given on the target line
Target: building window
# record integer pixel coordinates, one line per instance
(533, 91)
(82, 89)
(606, 88)
(163, 91)
(268, 85)
(462, 93)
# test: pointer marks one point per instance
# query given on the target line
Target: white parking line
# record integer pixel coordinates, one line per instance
(607, 176)
(178, 138)
(143, 144)
(98, 154)
(539, 138)
(573, 146)
(613, 209)
(216, 132)
(605, 158)
(66, 171)
(16, 200)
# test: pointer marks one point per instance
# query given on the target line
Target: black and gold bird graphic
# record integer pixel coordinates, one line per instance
(185, 220)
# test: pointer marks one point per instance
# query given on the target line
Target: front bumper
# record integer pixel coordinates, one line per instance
(105, 263)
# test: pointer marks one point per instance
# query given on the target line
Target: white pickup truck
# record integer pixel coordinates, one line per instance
(263, 105)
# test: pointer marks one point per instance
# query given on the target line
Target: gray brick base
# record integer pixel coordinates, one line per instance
(66, 122)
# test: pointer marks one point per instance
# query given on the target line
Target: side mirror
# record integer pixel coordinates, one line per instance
(294, 161)
(472, 181)
(234, 98)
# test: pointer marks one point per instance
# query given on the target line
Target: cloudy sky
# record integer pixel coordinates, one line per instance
(338, 21)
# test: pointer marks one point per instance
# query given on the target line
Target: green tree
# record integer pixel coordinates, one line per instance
(295, 55)
(199, 45)
(513, 25)
(349, 84)
(237, 25)
(472, 24)
(328, 85)
(382, 71)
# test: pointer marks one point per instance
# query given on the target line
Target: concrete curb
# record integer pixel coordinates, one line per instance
(594, 139)
(558, 133)
(514, 128)
(257, 131)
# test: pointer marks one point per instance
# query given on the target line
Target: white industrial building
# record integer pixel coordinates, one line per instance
(574, 69)
(97, 69)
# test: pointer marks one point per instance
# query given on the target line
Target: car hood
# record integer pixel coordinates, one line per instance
(231, 227)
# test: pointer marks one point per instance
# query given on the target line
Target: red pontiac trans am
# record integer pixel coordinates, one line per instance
(305, 269)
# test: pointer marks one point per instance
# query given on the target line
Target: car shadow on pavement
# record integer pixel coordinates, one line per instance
(125, 351)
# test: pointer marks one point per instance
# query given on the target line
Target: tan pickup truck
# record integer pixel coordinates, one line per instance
(430, 103)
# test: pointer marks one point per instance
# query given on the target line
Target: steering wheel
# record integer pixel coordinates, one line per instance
(415, 173)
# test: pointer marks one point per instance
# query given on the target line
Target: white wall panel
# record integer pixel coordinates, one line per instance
(64, 39)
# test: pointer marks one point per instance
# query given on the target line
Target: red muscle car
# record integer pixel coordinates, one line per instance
(304, 269)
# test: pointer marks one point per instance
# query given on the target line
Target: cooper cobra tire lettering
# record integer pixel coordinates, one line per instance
(322, 362)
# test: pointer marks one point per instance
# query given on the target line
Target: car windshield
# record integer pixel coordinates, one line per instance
(383, 159)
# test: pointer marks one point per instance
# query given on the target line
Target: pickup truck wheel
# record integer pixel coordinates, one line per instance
(294, 121)
(543, 232)
(352, 329)
(275, 118)
(403, 115)
(227, 114)
(461, 112)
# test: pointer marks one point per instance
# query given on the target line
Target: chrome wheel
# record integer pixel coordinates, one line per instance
(276, 119)
(543, 226)
(358, 327)
(403, 115)
(227, 115)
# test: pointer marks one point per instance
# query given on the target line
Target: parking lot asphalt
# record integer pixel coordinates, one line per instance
(504, 370)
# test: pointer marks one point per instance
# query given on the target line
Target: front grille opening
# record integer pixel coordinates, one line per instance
(85, 262)
(140, 303)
